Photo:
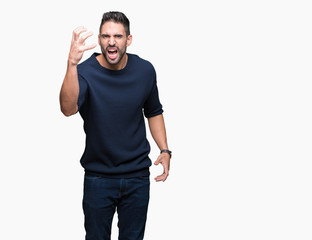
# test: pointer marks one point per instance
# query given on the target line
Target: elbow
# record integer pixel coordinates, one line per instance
(68, 112)
(68, 105)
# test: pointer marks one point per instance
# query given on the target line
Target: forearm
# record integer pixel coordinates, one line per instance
(158, 131)
(70, 91)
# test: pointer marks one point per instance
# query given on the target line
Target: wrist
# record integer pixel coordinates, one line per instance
(166, 151)
(71, 63)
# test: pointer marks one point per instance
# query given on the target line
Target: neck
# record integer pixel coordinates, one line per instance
(122, 64)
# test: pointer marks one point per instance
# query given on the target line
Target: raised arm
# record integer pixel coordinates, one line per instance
(70, 88)
(158, 131)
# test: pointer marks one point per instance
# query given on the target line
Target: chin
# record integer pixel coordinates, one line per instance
(111, 62)
(114, 62)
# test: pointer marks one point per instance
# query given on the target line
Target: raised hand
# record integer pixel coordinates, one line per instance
(78, 46)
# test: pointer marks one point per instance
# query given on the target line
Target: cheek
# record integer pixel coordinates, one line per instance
(102, 45)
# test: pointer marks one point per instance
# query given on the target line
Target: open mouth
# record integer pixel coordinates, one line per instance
(112, 52)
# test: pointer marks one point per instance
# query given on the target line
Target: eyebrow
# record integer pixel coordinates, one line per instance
(108, 35)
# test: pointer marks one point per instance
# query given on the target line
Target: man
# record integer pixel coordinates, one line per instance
(113, 91)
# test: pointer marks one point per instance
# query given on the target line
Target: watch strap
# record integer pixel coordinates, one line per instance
(166, 151)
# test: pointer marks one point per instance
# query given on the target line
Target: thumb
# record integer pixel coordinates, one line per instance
(157, 161)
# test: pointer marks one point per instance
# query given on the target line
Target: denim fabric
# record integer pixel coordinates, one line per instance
(102, 196)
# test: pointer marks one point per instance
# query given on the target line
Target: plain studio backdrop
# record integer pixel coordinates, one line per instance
(234, 79)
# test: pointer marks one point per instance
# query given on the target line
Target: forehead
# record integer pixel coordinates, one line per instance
(111, 27)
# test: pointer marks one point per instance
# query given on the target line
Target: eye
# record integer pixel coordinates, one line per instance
(105, 36)
(118, 36)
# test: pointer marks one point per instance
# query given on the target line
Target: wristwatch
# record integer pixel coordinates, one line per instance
(166, 151)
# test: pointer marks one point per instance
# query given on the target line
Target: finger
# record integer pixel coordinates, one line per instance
(165, 175)
(78, 28)
(84, 37)
(86, 48)
(158, 160)
(159, 178)
(77, 32)
(162, 177)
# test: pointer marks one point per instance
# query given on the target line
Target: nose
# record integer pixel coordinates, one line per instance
(111, 41)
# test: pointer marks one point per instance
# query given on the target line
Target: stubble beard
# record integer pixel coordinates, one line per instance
(121, 53)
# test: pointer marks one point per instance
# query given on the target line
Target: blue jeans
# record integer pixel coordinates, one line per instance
(102, 196)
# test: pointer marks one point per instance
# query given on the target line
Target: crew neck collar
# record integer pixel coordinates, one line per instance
(97, 63)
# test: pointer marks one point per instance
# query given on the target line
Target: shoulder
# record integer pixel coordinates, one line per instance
(142, 63)
(84, 66)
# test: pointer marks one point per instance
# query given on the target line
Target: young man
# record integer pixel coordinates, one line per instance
(113, 91)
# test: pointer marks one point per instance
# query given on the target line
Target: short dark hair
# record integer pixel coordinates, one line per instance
(117, 17)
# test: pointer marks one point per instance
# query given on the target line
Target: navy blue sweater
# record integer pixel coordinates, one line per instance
(112, 105)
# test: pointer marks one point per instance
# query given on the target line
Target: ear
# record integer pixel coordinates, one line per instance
(129, 40)
(99, 39)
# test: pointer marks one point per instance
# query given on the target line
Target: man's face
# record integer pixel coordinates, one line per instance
(113, 42)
